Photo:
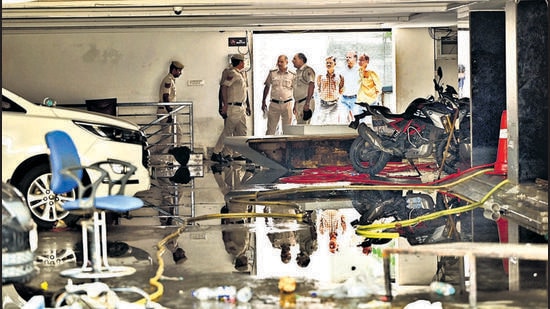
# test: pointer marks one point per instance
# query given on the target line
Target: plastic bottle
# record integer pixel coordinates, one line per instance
(203, 293)
(244, 294)
(222, 293)
(442, 288)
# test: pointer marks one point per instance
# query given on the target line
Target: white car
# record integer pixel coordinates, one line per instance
(98, 137)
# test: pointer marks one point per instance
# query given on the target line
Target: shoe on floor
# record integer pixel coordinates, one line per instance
(218, 157)
(240, 158)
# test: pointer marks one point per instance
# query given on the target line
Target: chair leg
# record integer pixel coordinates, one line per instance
(95, 253)
(96, 245)
(85, 227)
(102, 231)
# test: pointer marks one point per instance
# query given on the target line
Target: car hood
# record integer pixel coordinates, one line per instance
(87, 116)
(68, 113)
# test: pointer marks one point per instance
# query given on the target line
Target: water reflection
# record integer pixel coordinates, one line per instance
(237, 239)
(332, 221)
(317, 246)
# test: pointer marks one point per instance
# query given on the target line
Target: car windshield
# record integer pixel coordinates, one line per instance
(10, 106)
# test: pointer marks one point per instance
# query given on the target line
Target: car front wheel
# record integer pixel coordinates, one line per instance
(45, 206)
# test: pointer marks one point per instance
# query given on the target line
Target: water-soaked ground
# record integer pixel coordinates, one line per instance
(256, 252)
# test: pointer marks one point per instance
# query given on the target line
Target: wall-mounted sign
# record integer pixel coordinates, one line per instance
(237, 41)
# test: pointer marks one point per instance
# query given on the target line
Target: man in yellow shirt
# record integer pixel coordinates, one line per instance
(370, 89)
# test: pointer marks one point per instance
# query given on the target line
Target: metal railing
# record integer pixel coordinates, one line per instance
(165, 131)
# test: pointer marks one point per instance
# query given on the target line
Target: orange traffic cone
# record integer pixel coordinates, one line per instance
(502, 226)
(501, 165)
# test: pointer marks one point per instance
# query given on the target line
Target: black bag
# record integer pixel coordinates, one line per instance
(181, 154)
(182, 175)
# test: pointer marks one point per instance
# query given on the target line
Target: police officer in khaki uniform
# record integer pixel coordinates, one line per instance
(163, 140)
(167, 94)
(304, 86)
(235, 105)
(168, 85)
(280, 81)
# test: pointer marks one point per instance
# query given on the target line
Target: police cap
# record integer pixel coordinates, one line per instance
(177, 65)
(238, 57)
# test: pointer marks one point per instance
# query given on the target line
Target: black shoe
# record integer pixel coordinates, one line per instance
(179, 256)
(218, 158)
(241, 158)
(228, 158)
(217, 168)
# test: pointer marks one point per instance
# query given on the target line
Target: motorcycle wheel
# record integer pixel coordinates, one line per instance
(374, 204)
(452, 158)
(366, 159)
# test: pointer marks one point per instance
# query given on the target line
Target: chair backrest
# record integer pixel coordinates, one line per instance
(63, 154)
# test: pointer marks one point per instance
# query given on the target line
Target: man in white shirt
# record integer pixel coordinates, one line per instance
(351, 84)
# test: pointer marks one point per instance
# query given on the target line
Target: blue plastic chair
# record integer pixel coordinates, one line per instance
(67, 175)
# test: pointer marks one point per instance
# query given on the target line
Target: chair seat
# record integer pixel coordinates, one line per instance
(118, 203)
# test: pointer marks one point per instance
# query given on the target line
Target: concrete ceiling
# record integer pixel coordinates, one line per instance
(241, 14)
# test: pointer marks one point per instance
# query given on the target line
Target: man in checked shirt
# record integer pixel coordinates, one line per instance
(330, 86)
(331, 221)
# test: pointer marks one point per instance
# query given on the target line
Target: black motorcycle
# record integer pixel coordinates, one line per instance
(387, 207)
(456, 150)
(428, 126)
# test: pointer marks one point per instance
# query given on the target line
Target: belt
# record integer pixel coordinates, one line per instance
(302, 100)
(280, 101)
(235, 103)
(169, 109)
(350, 96)
(333, 101)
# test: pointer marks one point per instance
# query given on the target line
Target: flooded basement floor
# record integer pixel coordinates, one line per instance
(256, 251)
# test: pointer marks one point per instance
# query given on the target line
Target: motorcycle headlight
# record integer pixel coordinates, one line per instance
(113, 133)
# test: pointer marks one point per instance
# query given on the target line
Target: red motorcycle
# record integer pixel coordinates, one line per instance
(428, 127)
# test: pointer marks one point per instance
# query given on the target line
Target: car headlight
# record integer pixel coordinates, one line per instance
(113, 133)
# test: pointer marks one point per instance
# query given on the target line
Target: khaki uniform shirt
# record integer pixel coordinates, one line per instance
(281, 84)
(236, 85)
(168, 85)
(304, 76)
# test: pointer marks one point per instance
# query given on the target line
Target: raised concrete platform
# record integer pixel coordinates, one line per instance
(307, 129)
(309, 146)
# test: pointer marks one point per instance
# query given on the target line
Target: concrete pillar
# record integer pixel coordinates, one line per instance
(488, 82)
(529, 157)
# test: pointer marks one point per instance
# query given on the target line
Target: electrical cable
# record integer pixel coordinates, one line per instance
(369, 231)
(161, 245)
(278, 197)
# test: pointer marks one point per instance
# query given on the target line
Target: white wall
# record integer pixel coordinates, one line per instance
(75, 65)
(414, 65)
